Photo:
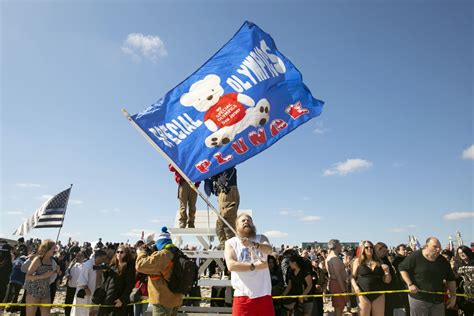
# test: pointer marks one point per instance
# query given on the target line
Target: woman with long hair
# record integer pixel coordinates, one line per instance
(464, 256)
(278, 284)
(300, 282)
(37, 279)
(118, 282)
(465, 270)
(369, 274)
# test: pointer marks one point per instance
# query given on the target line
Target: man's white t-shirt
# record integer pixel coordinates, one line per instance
(256, 283)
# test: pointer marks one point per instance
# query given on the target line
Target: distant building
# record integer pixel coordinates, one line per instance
(324, 245)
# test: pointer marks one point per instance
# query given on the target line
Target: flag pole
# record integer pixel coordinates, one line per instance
(62, 222)
(169, 160)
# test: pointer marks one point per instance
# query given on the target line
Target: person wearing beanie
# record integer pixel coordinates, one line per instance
(159, 266)
(164, 239)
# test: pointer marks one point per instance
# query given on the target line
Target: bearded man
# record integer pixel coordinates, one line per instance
(246, 258)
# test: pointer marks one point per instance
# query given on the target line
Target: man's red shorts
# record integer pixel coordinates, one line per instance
(260, 306)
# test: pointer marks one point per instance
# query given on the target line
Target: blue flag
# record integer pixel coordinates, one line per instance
(240, 102)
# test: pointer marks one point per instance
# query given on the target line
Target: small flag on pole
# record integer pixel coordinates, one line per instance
(450, 243)
(49, 215)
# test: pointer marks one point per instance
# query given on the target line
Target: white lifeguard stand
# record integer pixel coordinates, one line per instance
(204, 232)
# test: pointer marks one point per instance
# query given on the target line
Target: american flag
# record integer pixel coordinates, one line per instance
(50, 214)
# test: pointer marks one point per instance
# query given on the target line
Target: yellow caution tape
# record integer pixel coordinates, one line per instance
(221, 299)
(340, 294)
(366, 293)
(54, 305)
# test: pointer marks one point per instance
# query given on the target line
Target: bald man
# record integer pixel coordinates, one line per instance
(425, 270)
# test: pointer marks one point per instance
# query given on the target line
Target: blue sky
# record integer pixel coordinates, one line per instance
(391, 155)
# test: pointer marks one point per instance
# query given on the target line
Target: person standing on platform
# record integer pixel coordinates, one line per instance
(225, 187)
(187, 200)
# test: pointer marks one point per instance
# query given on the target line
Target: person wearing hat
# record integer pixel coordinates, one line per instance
(159, 266)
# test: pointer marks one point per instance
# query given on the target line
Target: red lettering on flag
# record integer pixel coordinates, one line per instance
(221, 160)
(258, 138)
(239, 146)
(277, 125)
(296, 110)
(203, 166)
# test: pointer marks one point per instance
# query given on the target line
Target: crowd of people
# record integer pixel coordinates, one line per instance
(118, 269)
(113, 275)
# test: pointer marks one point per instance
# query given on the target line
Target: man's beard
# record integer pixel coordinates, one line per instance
(248, 231)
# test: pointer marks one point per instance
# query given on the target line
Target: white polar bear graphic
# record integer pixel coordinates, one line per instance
(226, 115)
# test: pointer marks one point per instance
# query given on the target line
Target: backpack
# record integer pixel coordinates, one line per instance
(185, 273)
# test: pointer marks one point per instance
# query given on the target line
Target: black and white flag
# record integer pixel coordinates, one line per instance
(50, 214)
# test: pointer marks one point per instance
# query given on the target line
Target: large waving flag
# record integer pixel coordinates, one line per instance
(239, 103)
(50, 214)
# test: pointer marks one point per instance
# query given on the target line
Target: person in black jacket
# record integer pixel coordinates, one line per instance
(5, 268)
(392, 300)
(278, 284)
(401, 254)
(118, 283)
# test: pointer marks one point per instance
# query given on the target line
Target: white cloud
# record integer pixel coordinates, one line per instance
(306, 198)
(401, 229)
(14, 212)
(28, 185)
(137, 232)
(294, 213)
(114, 210)
(160, 221)
(310, 218)
(320, 129)
(398, 165)
(468, 153)
(275, 234)
(76, 202)
(454, 216)
(396, 230)
(148, 46)
(348, 166)
(300, 215)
